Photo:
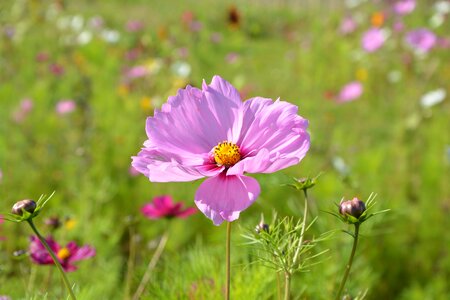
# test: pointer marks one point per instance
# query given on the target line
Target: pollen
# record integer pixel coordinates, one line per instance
(63, 253)
(226, 154)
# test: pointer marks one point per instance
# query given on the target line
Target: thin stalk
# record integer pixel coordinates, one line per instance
(278, 286)
(130, 262)
(302, 232)
(151, 266)
(350, 261)
(227, 262)
(55, 259)
(287, 285)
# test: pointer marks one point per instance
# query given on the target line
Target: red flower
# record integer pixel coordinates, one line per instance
(66, 255)
(164, 207)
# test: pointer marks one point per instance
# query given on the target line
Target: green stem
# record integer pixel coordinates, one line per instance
(302, 232)
(287, 285)
(350, 261)
(227, 262)
(278, 286)
(130, 262)
(151, 266)
(55, 259)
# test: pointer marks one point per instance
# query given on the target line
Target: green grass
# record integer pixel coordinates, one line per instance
(392, 146)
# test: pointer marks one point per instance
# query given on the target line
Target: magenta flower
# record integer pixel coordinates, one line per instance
(404, 7)
(349, 92)
(134, 25)
(67, 255)
(65, 107)
(373, 39)
(212, 133)
(164, 207)
(421, 39)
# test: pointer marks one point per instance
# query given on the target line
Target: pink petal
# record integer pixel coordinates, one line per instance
(81, 253)
(187, 212)
(273, 137)
(222, 198)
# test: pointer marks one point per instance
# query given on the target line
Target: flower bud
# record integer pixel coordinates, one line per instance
(27, 205)
(53, 222)
(354, 208)
(262, 227)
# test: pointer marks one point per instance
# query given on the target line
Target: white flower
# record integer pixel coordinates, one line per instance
(181, 69)
(110, 36)
(84, 37)
(432, 98)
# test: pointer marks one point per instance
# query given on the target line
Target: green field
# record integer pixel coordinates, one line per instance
(389, 141)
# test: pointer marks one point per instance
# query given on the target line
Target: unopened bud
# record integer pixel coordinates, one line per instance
(262, 227)
(354, 208)
(53, 222)
(27, 205)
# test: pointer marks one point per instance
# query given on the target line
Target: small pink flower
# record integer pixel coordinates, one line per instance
(232, 57)
(134, 26)
(65, 107)
(373, 39)
(67, 255)
(350, 92)
(164, 207)
(421, 39)
(56, 69)
(398, 26)
(348, 25)
(136, 72)
(42, 57)
(404, 7)
(25, 107)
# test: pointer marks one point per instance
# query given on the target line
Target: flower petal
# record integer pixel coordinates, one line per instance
(222, 198)
(273, 137)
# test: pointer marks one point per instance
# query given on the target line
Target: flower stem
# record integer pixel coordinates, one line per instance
(130, 262)
(227, 261)
(287, 285)
(55, 259)
(151, 266)
(350, 261)
(278, 286)
(302, 232)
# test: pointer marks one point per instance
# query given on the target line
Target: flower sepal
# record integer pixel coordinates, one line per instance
(25, 210)
(303, 184)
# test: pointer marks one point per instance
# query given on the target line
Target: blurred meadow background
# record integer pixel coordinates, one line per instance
(79, 78)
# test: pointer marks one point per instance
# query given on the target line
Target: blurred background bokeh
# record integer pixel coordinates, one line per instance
(79, 78)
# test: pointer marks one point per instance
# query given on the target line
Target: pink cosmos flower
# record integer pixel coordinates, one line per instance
(348, 25)
(404, 7)
(349, 92)
(134, 25)
(164, 207)
(212, 133)
(373, 39)
(66, 255)
(25, 107)
(421, 39)
(136, 72)
(65, 106)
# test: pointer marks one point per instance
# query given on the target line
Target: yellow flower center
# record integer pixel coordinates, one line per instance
(226, 154)
(63, 253)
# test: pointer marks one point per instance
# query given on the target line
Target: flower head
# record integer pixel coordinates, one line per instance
(67, 255)
(164, 207)
(373, 39)
(65, 107)
(422, 39)
(349, 92)
(404, 7)
(211, 133)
